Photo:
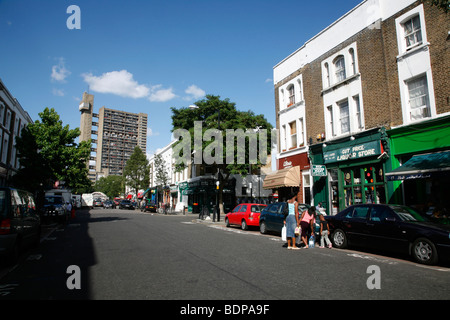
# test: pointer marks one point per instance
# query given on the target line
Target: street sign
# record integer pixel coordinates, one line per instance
(319, 171)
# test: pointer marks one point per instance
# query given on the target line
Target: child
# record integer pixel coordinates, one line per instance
(324, 232)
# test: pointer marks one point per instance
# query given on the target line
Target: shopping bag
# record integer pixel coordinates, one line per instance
(283, 234)
(312, 241)
(298, 230)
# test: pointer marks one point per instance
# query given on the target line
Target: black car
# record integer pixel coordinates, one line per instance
(393, 228)
(20, 225)
(55, 208)
(149, 206)
(109, 204)
(126, 204)
(272, 217)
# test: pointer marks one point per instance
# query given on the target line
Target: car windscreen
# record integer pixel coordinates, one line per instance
(408, 214)
(53, 200)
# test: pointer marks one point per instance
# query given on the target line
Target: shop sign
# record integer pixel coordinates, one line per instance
(319, 171)
(355, 152)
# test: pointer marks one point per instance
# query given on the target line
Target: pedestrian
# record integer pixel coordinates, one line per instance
(292, 221)
(324, 231)
(307, 223)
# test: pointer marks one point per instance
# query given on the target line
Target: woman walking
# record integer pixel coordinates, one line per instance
(307, 222)
(292, 222)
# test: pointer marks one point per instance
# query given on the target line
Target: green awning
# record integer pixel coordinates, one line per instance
(422, 166)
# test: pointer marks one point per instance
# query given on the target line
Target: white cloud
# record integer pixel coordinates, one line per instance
(194, 92)
(58, 92)
(161, 95)
(59, 71)
(120, 83)
(150, 133)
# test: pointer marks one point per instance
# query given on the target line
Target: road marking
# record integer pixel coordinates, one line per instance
(34, 257)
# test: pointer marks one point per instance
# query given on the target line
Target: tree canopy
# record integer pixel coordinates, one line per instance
(137, 171)
(48, 153)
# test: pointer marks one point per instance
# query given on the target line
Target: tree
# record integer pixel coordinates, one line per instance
(112, 186)
(161, 176)
(241, 128)
(48, 153)
(137, 171)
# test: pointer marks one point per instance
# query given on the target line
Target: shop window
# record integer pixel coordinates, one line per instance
(364, 185)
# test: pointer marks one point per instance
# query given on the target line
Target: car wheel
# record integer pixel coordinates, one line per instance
(227, 223)
(244, 225)
(262, 227)
(424, 251)
(339, 239)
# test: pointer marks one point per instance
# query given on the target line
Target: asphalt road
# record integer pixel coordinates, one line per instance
(130, 255)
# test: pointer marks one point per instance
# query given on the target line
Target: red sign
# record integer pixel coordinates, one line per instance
(294, 161)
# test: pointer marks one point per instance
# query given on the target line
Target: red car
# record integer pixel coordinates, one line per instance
(245, 215)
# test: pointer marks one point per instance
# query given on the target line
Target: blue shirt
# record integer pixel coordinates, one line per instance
(291, 207)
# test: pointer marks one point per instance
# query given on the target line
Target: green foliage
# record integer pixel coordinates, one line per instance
(137, 171)
(112, 186)
(47, 153)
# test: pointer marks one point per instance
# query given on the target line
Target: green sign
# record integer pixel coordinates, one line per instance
(353, 152)
(319, 171)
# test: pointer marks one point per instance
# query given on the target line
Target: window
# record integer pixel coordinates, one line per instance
(327, 75)
(418, 98)
(360, 212)
(291, 91)
(339, 68)
(352, 59)
(301, 131)
(359, 116)
(293, 127)
(331, 120)
(344, 117)
(284, 138)
(413, 32)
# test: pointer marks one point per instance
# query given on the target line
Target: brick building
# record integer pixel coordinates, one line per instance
(350, 96)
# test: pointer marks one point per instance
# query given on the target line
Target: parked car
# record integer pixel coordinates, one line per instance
(55, 208)
(98, 202)
(109, 204)
(393, 228)
(149, 206)
(126, 204)
(245, 215)
(20, 225)
(273, 216)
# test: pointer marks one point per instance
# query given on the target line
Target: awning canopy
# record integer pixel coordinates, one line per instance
(422, 167)
(283, 178)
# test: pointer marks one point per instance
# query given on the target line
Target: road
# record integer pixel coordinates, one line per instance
(130, 255)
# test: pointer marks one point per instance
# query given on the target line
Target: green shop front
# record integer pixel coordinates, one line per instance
(202, 192)
(350, 170)
(420, 166)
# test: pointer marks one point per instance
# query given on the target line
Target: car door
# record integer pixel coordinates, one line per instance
(280, 216)
(232, 217)
(241, 214)
(271, 215)
(384, 230)
(355, 224)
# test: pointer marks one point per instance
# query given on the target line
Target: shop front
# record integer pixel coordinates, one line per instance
(350, 170)
(420, 166)
(293, 176)
(202, 193)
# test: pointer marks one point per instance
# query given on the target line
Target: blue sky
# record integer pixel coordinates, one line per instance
(149, 56)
